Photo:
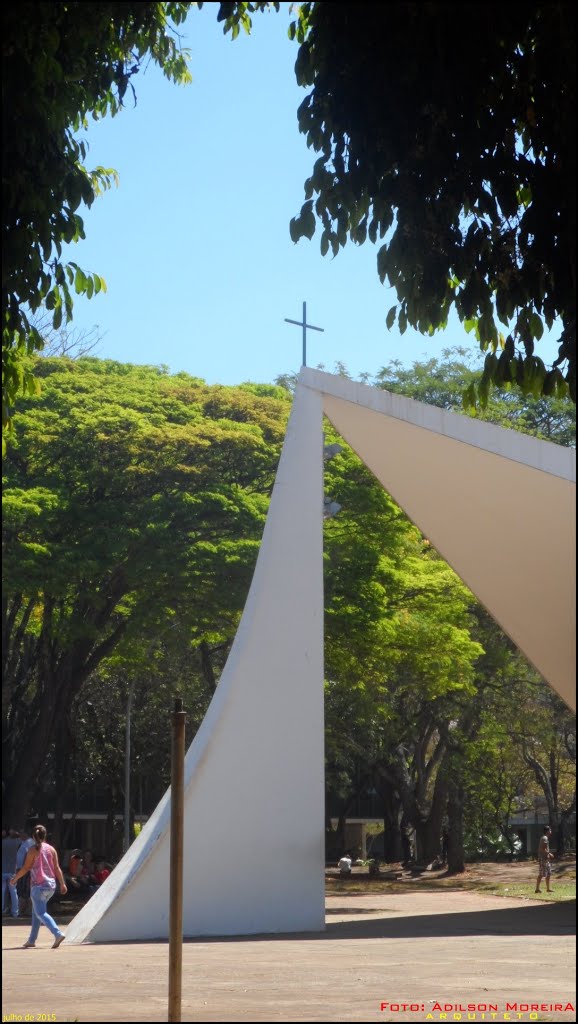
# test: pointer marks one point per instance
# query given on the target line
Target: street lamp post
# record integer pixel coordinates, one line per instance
(126, 835)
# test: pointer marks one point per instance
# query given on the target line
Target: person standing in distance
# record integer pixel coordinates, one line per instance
(10, 847)
(42, 863)
(544, 858)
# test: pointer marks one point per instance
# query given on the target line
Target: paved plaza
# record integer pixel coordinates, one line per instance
(437, 952)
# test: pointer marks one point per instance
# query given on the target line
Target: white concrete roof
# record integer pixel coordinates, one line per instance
(498, 505)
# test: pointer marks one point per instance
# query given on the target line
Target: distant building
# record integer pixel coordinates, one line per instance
(528, 824)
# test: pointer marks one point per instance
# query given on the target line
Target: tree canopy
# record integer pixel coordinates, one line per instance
(133, 500)
(64, 63)
(445, 134)
(446, 137)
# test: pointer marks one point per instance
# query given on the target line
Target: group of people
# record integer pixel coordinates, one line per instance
(32, 856)
(85, 874)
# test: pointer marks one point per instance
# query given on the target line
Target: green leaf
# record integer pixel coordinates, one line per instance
(382, 263)
(307, 219)
(536, 325)
(79, 282)
(469, 397)
(295, 229)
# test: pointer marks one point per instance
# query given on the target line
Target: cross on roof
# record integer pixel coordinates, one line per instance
(303, 323)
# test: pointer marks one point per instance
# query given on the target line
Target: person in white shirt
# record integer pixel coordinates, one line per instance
(344, 865)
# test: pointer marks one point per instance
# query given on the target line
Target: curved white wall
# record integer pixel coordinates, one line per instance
(254, 819)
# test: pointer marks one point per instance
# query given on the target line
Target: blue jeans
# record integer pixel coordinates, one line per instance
(6, 876)
(40, 894)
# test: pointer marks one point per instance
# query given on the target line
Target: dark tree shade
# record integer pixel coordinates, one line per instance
(447, 131)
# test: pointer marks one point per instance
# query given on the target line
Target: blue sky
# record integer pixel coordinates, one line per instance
(194, 244)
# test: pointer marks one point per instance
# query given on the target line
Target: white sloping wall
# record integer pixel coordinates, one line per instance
(499, 506)
(254, 799)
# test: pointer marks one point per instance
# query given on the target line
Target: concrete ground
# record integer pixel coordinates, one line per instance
(419, 948)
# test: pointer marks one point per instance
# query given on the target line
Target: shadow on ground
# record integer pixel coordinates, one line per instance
(547, 919)
(542, 919)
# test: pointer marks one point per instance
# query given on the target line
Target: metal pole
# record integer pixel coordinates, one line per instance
(176, 860)
(126, 837)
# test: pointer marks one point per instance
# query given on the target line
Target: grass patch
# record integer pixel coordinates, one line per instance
(492, 881)
(561, 891)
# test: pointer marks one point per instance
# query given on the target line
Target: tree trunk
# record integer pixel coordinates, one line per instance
(207, 666)
(428, 831)
(428, 839)
(16, 803)
(67, 832)
(109, 831)
(391, 810)
(340, 834)
(335, 838)
(57, 826)
(64, 775)
(549, 783)
(35, 735)
(413, 788)
(50, 687)
(509, 836)
(563, 827)
(456, 857)
(406, 829)
(392, 852)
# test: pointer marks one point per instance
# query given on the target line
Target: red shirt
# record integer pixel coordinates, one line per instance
(75, 866)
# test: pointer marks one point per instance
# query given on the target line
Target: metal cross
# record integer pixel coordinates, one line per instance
(305, 327)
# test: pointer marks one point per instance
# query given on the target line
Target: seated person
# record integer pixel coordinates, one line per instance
(75, 880)
(87, 871)
(344, 865)
(101, 873)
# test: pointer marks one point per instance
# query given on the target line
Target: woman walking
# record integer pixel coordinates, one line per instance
(42, 863)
